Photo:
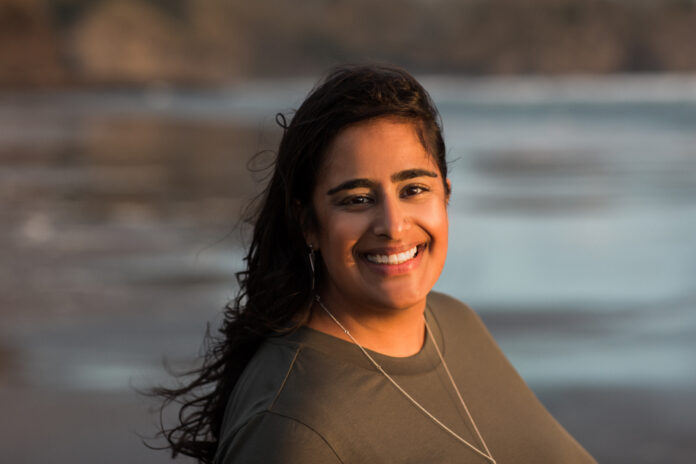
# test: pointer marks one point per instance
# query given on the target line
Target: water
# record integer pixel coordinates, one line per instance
(572, 223)
(581, 200)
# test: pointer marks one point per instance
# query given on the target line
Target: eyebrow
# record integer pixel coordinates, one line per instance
(367, 183)
(412, 174)
(351, 184)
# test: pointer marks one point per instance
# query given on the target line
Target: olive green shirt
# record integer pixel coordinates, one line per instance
(309, 397)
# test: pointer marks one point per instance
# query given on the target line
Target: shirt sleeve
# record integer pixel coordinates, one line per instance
(270, 438)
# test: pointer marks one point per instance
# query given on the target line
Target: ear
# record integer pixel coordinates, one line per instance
(449, 190)
(311, 240)
(306, 224)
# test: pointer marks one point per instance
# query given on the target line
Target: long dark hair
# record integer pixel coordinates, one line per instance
(275, 290)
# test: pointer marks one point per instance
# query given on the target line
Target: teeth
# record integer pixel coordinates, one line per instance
(396, 258)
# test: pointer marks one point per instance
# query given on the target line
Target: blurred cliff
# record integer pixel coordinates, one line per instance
(50, 43)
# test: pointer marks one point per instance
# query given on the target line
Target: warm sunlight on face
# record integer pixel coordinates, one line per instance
(381, 209)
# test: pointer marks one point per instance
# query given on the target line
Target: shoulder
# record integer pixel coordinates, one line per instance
(259, 386)
(458, 321)
(441, 300)
(269, 406)
(292, 441)
(446, 308)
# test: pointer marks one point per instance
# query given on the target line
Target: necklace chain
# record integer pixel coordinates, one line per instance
(487, 454)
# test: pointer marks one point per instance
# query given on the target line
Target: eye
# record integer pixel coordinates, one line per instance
(356, 200)
(413, 190)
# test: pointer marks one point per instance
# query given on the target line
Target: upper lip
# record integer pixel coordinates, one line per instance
(391, 250)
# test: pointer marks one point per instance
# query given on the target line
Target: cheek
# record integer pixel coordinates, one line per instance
(339, 235)
(434, 220)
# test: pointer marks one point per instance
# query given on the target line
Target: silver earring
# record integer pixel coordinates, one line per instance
(312, 260)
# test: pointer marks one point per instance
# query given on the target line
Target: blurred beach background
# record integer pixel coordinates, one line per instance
(127, 130)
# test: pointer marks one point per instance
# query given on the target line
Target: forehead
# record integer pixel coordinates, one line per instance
(375, 148)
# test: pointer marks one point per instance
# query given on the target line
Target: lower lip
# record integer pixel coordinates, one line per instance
(396, 269)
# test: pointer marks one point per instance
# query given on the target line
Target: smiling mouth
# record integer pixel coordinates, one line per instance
(395, 258)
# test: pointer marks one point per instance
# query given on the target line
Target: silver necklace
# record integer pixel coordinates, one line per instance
(487, 454)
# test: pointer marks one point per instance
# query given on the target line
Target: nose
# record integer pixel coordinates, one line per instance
(391, 219)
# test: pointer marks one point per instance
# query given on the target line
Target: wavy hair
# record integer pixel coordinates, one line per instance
(275, 289)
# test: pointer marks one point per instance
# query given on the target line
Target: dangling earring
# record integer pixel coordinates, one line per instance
(312, 261)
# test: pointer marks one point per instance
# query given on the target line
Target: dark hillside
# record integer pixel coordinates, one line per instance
(203, 42)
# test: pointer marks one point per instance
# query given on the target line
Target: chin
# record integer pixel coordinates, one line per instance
(399, 298)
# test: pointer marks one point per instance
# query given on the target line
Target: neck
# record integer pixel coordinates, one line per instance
(389, 331)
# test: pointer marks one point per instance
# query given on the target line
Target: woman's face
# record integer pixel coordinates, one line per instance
(381, 211)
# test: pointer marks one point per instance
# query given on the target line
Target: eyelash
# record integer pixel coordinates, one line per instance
(360, 200)
(420, 188)
(353, 200)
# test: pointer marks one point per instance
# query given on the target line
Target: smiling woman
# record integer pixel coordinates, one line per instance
(336, 350)
(381, 227)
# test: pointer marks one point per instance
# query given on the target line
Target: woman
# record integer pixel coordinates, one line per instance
(335, 349)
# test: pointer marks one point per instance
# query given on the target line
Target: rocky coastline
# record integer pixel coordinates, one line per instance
(61, 43)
